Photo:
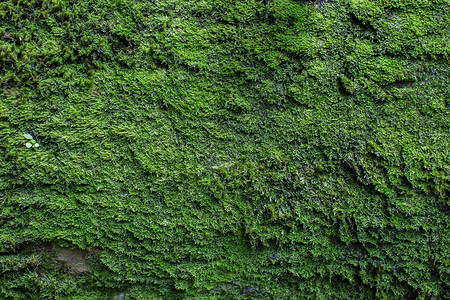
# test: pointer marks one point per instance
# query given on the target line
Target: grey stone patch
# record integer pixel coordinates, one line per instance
(121, 296)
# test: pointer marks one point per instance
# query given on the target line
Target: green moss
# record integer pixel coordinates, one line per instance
(266, 149)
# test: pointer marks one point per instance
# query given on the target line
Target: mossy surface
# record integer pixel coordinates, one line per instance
(212, 149)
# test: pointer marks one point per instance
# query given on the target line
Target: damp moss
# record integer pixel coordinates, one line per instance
(257, 149)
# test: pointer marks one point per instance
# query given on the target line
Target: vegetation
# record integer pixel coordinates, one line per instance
(218, 149)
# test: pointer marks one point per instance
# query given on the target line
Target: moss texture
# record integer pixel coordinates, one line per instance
(225, 149)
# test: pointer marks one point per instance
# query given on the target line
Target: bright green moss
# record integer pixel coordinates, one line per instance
(256, 149)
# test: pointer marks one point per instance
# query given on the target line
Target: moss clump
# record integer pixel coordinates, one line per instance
(266, 149)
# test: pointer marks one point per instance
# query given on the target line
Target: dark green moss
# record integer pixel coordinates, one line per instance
(209, 149)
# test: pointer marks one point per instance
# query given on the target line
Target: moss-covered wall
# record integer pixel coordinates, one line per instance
(225, 149)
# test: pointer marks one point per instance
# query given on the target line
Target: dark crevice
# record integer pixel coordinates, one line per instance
(360, 23)
(403, 84)
(342, 89)
(161, 64)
